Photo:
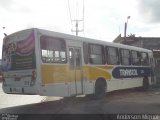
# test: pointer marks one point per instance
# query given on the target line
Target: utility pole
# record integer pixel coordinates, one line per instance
(125, 29)
(76, 27)
(76, 30)
(77, 20)
(125, 26)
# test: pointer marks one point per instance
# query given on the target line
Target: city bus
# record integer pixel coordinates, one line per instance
(47, 63)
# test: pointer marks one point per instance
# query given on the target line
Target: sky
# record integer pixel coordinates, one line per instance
(102, 19)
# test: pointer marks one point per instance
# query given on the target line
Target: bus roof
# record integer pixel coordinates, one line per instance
(83, 39)
(90, 40)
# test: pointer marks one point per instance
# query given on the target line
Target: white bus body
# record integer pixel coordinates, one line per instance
(47, 63)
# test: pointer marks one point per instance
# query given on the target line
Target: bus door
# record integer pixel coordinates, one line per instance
(75, 71)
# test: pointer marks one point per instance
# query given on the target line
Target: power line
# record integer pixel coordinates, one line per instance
(70, 13)
(76, 21)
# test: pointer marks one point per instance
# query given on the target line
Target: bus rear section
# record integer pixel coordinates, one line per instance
(19, 63)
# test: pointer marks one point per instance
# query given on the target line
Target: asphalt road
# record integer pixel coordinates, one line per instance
(9, 100)
(121, 102)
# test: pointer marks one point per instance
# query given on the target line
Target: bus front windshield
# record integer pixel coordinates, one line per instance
(18, 55)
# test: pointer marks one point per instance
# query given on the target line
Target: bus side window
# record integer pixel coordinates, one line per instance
(78, 57)
(71, 57)
(53, 50)
(63, 56)
(85, 52)
(44, 55)
(135, 58)
(112, 56)
(96, 55)
(144, 59)
(125, 57)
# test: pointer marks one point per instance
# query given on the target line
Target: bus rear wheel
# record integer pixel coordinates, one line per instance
(100, 89)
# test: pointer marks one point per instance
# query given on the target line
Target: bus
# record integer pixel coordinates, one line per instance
(47, 63)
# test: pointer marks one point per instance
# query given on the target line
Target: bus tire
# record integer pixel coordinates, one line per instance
(145, 83)
(100, 88)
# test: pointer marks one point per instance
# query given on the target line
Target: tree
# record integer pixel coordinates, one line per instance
(132, 35)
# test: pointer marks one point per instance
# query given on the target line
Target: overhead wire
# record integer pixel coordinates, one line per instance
(76, 20)
(70, 14)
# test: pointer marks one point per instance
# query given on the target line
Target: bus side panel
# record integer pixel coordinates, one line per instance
(93, 73)
(59, 80)
(119, 84)
(54, 80)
